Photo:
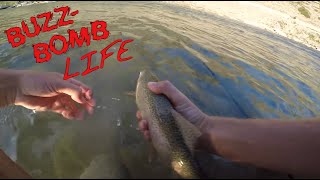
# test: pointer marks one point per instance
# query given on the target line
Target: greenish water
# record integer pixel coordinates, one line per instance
(224, 67)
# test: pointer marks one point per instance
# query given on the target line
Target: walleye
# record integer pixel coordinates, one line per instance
(172, 136)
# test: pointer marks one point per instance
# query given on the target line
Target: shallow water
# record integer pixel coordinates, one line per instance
(224, 67)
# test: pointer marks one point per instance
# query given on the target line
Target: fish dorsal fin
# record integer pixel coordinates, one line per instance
(189, 132)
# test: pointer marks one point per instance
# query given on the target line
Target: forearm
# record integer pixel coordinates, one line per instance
(8, 86)
(282, 145)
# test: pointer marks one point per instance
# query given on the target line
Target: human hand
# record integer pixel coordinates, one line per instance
(47, 91)
(180, 103)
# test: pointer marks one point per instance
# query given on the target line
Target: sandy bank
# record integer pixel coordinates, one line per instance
(299, 21)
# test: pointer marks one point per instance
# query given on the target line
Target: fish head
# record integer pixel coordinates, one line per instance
(142, 90)
(146, 76)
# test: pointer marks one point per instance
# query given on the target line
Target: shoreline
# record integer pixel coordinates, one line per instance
(279, 17)
(295, 20)
(15, 4)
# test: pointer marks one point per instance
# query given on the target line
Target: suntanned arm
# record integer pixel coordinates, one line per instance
(289, 146)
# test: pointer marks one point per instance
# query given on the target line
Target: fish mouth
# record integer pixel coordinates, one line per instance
(141, 73)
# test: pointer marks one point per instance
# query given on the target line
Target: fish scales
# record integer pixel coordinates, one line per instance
(166, 136)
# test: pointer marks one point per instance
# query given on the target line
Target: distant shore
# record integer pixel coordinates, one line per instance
(296, 20)
(14, 4)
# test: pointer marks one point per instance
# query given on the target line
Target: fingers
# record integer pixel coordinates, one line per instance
(79, 94)
(78, 83)
(67, 107)
(61, 104)
(85, 90)
(139, 116)
(70, 89)
(89, 108)
(180, 102)
(166, 88)
(72, 115)
(89, 98)
(143, 126)
(146, 135)
(48, 91)
(76, 93)
(67, 115)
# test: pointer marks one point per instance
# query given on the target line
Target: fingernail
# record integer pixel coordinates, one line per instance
(88, 96)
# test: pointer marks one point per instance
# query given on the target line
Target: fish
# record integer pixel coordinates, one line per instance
(172, 136)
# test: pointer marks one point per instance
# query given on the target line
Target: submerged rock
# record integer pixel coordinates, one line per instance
(105, 166)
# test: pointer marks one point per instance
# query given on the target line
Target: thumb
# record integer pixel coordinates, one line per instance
(70, 89)
(165, 87)
(180, 102)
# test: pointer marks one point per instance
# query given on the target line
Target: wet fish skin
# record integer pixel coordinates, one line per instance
(164, 130)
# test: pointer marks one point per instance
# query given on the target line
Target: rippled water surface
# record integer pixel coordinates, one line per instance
(224, 67)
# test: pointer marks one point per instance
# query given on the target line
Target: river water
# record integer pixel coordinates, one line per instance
(225, 67)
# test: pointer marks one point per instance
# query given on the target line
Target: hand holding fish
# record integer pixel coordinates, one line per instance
(180, 103)
(248, 141)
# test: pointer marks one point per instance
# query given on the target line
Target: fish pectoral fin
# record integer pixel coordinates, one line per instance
(189, 132)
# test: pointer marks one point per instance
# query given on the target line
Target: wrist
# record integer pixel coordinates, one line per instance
(212, 128)
(9, 86)
(205, 142)
(205, 124)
